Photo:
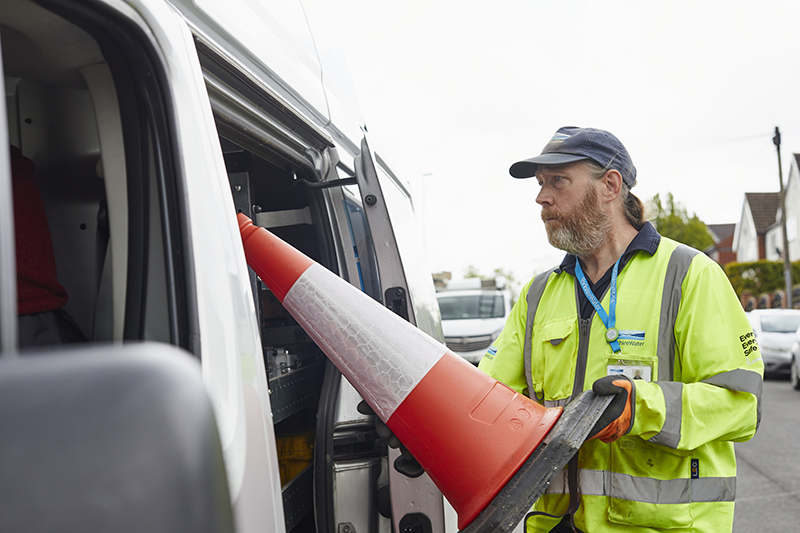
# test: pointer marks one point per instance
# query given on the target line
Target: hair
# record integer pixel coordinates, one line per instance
(633, 206)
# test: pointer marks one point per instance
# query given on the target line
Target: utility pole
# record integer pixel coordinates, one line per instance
(787, 264)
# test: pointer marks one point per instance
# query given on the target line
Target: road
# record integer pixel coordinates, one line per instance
(768, 480)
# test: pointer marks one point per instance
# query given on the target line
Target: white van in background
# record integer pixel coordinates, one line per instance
(474, 312)
(146, 125)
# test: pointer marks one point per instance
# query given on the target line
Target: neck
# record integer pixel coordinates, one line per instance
(597, 263)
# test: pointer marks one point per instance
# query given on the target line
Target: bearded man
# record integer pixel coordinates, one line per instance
(626, 302)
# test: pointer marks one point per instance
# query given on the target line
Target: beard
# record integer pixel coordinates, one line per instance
(580, 232)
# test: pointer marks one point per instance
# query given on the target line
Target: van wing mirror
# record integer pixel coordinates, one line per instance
(109, 438)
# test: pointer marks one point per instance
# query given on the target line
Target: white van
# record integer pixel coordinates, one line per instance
(474, 312)
(146, 125)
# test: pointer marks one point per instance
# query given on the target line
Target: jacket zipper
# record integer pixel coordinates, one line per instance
(583, 356)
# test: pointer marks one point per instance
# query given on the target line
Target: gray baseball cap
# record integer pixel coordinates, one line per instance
(570, 144)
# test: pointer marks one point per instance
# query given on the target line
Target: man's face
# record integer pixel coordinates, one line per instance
(571, 211)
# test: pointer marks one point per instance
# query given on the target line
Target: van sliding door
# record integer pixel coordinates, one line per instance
(407, 288)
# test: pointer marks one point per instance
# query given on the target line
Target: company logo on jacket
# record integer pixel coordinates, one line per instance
(630, 337)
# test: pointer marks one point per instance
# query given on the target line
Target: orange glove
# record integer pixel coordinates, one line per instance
(617, 420)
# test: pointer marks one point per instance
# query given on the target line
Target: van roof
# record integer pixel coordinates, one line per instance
(473, 284)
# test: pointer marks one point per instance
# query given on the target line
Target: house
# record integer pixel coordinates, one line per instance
(758, 215)
(759, 233)
(722, 249)
(774, 234)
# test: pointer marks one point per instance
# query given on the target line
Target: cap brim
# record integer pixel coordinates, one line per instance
(528, 167)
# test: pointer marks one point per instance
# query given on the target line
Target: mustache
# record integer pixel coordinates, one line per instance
(550, 213)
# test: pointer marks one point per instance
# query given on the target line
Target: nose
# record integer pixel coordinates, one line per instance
(544, 198)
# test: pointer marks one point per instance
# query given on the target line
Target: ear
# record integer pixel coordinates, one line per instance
(611, 185)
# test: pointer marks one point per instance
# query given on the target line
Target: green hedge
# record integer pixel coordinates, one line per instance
(759, 277)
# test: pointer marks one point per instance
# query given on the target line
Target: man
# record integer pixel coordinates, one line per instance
(626, 301)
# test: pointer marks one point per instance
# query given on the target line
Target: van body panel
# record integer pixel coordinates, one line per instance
(346, 117)
(254, 114)
(271, 41)
(229, 342)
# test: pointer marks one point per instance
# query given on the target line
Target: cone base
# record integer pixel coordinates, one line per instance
(515, 499)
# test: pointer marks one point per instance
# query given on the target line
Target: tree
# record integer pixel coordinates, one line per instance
(472, 272)
(759, 277)
(673, 221)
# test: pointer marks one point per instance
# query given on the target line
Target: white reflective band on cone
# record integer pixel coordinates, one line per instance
(383, 363)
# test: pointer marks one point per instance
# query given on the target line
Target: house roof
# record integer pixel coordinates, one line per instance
(763, 207)
(720, 232)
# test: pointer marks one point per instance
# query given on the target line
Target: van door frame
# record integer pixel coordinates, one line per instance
(408, 510)
(8, 267)
(390, 264)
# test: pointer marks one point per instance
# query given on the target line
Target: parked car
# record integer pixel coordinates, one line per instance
(794, 367)
(794, 370)
(473, 315)
(776, 333)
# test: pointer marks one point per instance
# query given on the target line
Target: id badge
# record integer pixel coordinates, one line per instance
(630, 368)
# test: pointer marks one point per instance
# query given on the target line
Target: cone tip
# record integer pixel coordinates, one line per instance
(276, 262)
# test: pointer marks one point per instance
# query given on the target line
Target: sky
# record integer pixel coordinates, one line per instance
(453, 93)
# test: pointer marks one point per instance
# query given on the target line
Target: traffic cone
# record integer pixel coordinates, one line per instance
(473, 435)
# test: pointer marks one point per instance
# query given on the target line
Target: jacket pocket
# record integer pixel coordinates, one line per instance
(648, 493)
(662, 516)
(553, 354)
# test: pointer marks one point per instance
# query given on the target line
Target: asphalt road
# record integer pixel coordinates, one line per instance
(768, 478)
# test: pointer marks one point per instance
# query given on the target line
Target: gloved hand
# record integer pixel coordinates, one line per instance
(617, 420)
(406, 464)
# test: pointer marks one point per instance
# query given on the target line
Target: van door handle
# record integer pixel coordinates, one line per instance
(395, 298)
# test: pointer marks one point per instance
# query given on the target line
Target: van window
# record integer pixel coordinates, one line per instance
(471, 306)
(780, 323)
(96, 213)
(363, 248)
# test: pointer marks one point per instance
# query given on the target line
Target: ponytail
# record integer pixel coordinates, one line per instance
(634, 209)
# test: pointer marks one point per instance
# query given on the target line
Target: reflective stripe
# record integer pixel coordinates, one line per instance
(670, 434)
(742, 381)
(668, 491)
(558, 485)
(738, 380)
(677, 268)
(649, 490)
(535, 291)
(591, 483)
(713, 489)
(556, 403)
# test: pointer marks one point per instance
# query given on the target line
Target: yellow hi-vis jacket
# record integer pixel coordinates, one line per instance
(682, 326)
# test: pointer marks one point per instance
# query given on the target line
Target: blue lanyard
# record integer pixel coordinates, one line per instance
(609, 320)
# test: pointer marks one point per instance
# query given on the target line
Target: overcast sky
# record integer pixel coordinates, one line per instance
(453, 93)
